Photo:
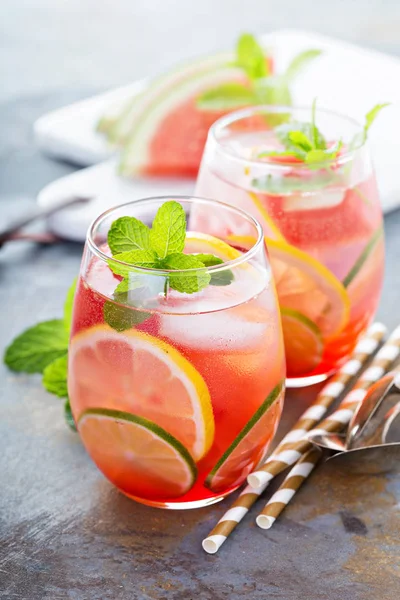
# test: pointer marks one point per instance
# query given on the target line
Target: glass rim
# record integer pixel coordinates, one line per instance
(230, 264)
(243, 113)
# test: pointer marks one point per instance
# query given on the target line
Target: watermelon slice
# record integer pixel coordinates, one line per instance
(163, 130)
(166, 130)
(119, 122)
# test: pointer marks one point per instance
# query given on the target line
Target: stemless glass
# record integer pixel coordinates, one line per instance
(177, 396)
(322, 222)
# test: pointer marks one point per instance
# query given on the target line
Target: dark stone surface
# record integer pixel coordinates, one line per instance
(65, 533)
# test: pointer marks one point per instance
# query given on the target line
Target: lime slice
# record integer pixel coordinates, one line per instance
(137, 372)
(303, 343)
(305, 285)
(137, 455)
(362, 259)
(249, 447)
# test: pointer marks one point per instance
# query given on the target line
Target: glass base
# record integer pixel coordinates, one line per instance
(181, 505)
(299, 382)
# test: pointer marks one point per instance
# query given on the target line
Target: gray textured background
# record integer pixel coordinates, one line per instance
(65, 533)
(59, 44)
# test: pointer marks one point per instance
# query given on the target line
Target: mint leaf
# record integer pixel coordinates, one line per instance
(137, 258)
(55, 377)
(224, 277)
(226, 96)
(37, 347)
(301, 61)
(273, 90)
(314, 129)
(250, 57)
(68, 305)
(360, 138)
(128, 233)
(168, 233)
(370, 118)
(278, 185)
(130, 295)
(189, 282)
(316, 157)
(300, 141)
(69, 419)
(121, 317)
(208, 260)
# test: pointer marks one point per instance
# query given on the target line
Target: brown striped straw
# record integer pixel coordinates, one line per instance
(289, 487)
(290, 453)
(330, 392)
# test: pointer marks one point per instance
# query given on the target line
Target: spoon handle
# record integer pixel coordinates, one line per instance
(39, 213)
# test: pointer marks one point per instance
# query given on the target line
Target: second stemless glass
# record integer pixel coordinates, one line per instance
(177, 396)
(323, 228)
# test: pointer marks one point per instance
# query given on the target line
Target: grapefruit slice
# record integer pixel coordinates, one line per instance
(305, 285)
(138, 373)
(137, 455)
(303, 343)
(249, 447)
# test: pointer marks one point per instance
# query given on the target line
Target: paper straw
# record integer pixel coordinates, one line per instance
(331, 391)
(292, 452)
(289, 487)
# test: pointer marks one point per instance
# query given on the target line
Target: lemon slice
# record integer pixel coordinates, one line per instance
(307, 286)
(137, 455)
(303, 343)
(138, 373)
(271, 230)
(250, 446)
(197, 243)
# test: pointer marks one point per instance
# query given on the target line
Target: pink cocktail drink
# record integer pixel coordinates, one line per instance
(178, 399)
(323, 228)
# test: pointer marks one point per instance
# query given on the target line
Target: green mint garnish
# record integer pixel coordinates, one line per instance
(55, 377)
(251, 58)
(121, 318)
(226, 96)
(165, 242)
(140, 258)
(68, 305)
(263, 87)
(69, 419)
(37, 347)
(128, 233)
(43, 348)
(304, 141)
(128, 295)
(187, 283)
(370, 117)
(168, 233)
(300, 62)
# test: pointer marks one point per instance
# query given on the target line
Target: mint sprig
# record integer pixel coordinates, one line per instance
(164, 252)
(37, 347)
(360, 139)
(128, 233)
(55, 377)
(304, 141)
(43, 348)
(134, 296)
(262, 86)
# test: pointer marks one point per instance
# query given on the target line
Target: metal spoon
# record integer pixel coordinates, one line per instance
(375, 423)
(9, 232)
